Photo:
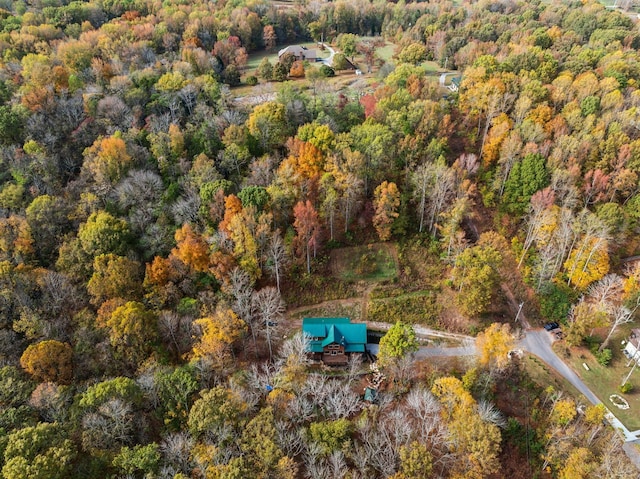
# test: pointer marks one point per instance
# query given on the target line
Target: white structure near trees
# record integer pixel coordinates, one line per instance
(632, 348)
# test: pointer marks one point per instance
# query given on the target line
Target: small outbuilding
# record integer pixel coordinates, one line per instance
(333, 340)
(632, 348)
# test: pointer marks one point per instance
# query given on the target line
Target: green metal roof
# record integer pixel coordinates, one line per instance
(307, 321)
(326, 331)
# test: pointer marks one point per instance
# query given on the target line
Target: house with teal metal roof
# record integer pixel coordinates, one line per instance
(332, 340)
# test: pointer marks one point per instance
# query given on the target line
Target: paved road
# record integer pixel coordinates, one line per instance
(443, 77)
(539, 344)
(536, 342)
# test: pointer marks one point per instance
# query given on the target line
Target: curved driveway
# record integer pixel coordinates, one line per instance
(329, 60)
(539, 344)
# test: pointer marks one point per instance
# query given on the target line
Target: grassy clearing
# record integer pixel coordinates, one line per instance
(353, 311)
(431, 67)
(386, 52)
(418, 307)
(309, 290)
(544, 376)
(604, 381)
(364, 263)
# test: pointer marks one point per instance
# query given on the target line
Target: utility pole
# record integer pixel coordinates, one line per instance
(518, 314)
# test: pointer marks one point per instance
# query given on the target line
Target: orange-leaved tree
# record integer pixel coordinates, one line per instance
(191, 248)
(386, 202)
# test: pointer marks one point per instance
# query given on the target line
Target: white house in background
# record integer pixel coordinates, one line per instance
(632, 348)
(299, 53)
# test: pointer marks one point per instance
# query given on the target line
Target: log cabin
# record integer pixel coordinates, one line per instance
(333, 340)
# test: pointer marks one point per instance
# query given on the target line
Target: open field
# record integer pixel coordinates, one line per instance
(386, 52)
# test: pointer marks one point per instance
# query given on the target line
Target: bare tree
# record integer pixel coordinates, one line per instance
(350, 195)
(338, 465)
(341, 401)
(290, 439)
(399, 427)
(268, 308)
(614, 463)
(111, 427)
(176, 330)
(277, 258)
(435, 184)
(302, 409)
(294, 348)
(490, 413)
(176, 451)
(354, 367)
(240, 287)
(538, 217)
(425, 409)
(186, 208)
(606, 289)
(620, 315)
(380, 451)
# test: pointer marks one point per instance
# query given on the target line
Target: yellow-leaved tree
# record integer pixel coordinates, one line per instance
(474, 439)
(588, 262)
(494, 344)
(219, 332)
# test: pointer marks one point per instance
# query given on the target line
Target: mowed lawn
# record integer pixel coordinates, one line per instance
(605, 381)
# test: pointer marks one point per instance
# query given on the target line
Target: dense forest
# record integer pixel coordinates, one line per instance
(162, 204)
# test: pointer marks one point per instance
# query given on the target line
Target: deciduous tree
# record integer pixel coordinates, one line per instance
(267, 123)
(386, 203)
(49, 360)
(133, 330)
(269, 37)
(398, 342)
(475, 274)
(107, 160)
(38, 452)
(219, 333)
(494, 344)
(191, 249)
(307, 227)
(114, 277)
(277, 258)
